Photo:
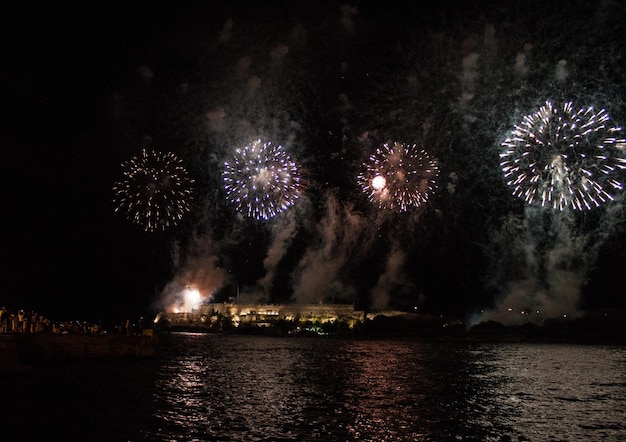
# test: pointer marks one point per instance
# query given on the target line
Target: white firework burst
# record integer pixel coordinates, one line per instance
(261, 180)
(563, 158)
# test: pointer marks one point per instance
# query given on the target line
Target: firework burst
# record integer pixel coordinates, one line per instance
(562, 158)
(154, 190)
(399, 177)
(261, 180)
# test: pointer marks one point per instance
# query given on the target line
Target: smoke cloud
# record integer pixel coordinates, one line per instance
(543, 262)
(318, 274)
(391, 280)
(283, 231)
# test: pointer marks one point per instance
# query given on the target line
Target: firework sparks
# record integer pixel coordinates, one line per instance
(261, 180)
(560, 157)
(154, 190)
(399, 177)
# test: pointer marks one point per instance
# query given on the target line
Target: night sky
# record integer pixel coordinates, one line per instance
(85, 88)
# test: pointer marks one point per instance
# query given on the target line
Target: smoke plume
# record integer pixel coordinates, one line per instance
(283, 232)
(543, 262)
(392, 279)
(318, 273)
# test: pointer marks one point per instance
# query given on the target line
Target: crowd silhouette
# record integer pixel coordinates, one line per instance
(29, 321)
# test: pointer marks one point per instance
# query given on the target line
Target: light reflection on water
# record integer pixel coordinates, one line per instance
(256, 388)
(552, 392)
(247, 388)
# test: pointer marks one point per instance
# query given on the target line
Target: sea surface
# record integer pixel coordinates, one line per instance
(220, 387)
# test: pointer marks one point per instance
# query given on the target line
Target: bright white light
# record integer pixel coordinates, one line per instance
(379, 182)
(191, 299)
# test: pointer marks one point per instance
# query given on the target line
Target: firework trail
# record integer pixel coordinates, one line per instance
(399, 177)
(154, 190)
(562, 158)
(261, 180)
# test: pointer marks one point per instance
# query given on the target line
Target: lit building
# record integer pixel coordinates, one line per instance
(261, 315)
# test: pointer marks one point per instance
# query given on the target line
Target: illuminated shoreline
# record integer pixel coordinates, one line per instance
(227, 316)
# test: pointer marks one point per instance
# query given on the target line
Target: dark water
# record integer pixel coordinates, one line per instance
(252, 388)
